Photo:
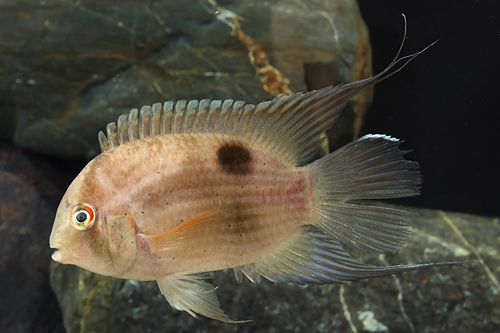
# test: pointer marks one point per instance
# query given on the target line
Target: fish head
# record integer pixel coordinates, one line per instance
(85, 234)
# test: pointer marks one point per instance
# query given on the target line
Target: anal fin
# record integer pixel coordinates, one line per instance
(192, 294)
(313, 257)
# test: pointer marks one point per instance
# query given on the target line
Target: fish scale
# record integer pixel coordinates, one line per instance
(263, 192)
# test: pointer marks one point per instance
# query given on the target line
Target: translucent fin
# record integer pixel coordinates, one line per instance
(197, 230)
(193, 295)
(289, 126)
(112, 135)
(369, 229)
(145, 122)
(156, 120)
(123, 129)
(312, 257)
(373, 167)
(103, 142)
(238, 274)
(183, 234)
(248, 271)
(133, 126)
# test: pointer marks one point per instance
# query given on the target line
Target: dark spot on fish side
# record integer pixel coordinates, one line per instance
(241, 225)
(234, 158)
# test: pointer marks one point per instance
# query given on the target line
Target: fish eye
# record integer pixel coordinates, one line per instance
(82, 216)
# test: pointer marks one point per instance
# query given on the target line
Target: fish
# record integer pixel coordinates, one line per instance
(185, 188)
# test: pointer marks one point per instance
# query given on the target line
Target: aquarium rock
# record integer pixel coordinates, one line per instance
(71, 67)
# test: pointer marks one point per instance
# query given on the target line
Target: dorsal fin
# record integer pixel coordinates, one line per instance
(289, 126)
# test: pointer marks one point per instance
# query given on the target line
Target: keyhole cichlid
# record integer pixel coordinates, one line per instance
(186, 188)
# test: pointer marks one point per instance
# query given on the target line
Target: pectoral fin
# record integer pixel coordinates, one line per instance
(183, 234)
(190, 293)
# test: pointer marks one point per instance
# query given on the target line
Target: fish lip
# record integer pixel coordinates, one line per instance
(58, 253)
(62, 256)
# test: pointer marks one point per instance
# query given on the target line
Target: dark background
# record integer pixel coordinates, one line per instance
(444, 104)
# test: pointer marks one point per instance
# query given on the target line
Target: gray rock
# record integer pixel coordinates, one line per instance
(70, 67)
(31, 187)
(445, 299)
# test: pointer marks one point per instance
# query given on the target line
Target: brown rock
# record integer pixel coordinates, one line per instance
(70, 67)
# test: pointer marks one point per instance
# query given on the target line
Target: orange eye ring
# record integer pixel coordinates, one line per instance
(83, 216)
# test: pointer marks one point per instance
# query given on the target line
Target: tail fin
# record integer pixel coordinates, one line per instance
(372, 167)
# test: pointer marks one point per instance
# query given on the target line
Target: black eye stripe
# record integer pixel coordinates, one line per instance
(82, 217)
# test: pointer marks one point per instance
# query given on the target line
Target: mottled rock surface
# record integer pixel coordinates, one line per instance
(70, 67)
(446, 299)
(31, 187)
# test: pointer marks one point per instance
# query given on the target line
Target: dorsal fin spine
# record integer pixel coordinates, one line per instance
(112, 137)
(156, 120)
(213, 115)
(185, 116)
(191, 111)
(244, 119)
(145, 122)
(103, 141)
(234, 117)
(166, 118)
(201, 116)
(178, 116)
(226, 109)
(123, 129)
(133, 125)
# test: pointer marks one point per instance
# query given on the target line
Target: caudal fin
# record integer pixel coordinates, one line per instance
(372, 167)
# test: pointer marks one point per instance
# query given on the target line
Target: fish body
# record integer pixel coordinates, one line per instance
(186, 188)
(256, 204)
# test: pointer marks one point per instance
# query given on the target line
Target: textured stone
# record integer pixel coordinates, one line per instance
(70, 67)
(31, 187)
(445, 299)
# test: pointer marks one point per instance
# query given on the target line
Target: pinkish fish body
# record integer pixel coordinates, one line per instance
(234, 224)
(181, 189)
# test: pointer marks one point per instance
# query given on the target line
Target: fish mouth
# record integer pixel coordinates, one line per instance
(57, 255)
